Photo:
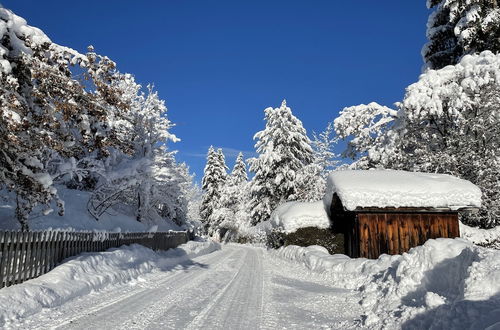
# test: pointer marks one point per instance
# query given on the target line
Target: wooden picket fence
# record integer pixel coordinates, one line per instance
(26, 255)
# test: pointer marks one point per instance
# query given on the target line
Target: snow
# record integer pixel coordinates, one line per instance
(480, 236)
(76, 217)
(17, 30)
(389, 188)
(446, 283)
(92, 272)
(290, 216)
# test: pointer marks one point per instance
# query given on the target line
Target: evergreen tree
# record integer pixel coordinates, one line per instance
(212, 184)
(239, 173)
(460, 27)
(232, 215)
(284, 149)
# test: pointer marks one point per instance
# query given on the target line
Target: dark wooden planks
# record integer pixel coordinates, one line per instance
(26, 255)
(396, 233)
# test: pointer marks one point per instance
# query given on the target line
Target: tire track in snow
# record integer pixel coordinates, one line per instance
(117, 313)
(239, 304)
(174, 311)
(83, 309)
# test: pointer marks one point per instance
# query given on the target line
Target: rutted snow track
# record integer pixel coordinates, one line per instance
(238, 287)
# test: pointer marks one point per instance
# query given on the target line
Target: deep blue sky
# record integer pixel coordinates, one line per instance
(218, 64)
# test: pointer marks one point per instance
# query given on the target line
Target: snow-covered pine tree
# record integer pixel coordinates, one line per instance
(214, 177)
(239, 172)
(218, 215)
(284, 149)
(460, 27)
(234, 196)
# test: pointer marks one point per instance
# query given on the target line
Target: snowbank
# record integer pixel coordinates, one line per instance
(76, 217)
(290, 216)
(478, 236)
(388, 188)
(92, 272)
(446, 283)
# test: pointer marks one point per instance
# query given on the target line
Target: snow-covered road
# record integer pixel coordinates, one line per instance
(238, 287)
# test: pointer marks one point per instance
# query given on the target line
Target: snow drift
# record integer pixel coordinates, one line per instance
(446, 283)
(89, 272)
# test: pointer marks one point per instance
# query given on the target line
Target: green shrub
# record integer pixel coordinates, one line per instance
(333, 242)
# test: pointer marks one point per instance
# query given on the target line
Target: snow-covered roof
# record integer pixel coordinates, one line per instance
(388, 188)
(290, 216)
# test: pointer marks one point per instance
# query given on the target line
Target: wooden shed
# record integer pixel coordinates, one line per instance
(383, 211)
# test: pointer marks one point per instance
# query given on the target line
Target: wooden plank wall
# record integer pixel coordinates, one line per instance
(395, 233)
(26, 255)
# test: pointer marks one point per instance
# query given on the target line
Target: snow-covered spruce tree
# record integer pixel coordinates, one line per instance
(460, 27)
(239, 173)
(234, 196)
(284, 149)
(214, 178)
(218, 215)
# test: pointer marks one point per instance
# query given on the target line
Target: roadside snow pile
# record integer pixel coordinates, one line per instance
(92, 272)
(388, 188)
(344, 271)
(446, 283)
(290, 216)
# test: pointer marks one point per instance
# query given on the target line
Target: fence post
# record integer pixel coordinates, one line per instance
(22, 258)
(9, 255)
(5, 236)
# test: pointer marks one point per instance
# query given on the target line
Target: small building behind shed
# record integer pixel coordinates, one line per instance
(386, 211)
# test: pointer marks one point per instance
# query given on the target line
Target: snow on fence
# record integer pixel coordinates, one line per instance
(26, 255)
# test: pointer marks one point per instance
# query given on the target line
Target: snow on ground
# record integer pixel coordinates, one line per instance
(389, 188)
(238, 287)
(444, 284)
(481, 236)
(76, 216)
(93, 272)
(290, 216)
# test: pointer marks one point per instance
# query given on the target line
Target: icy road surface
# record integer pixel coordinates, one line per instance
(238, 287)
